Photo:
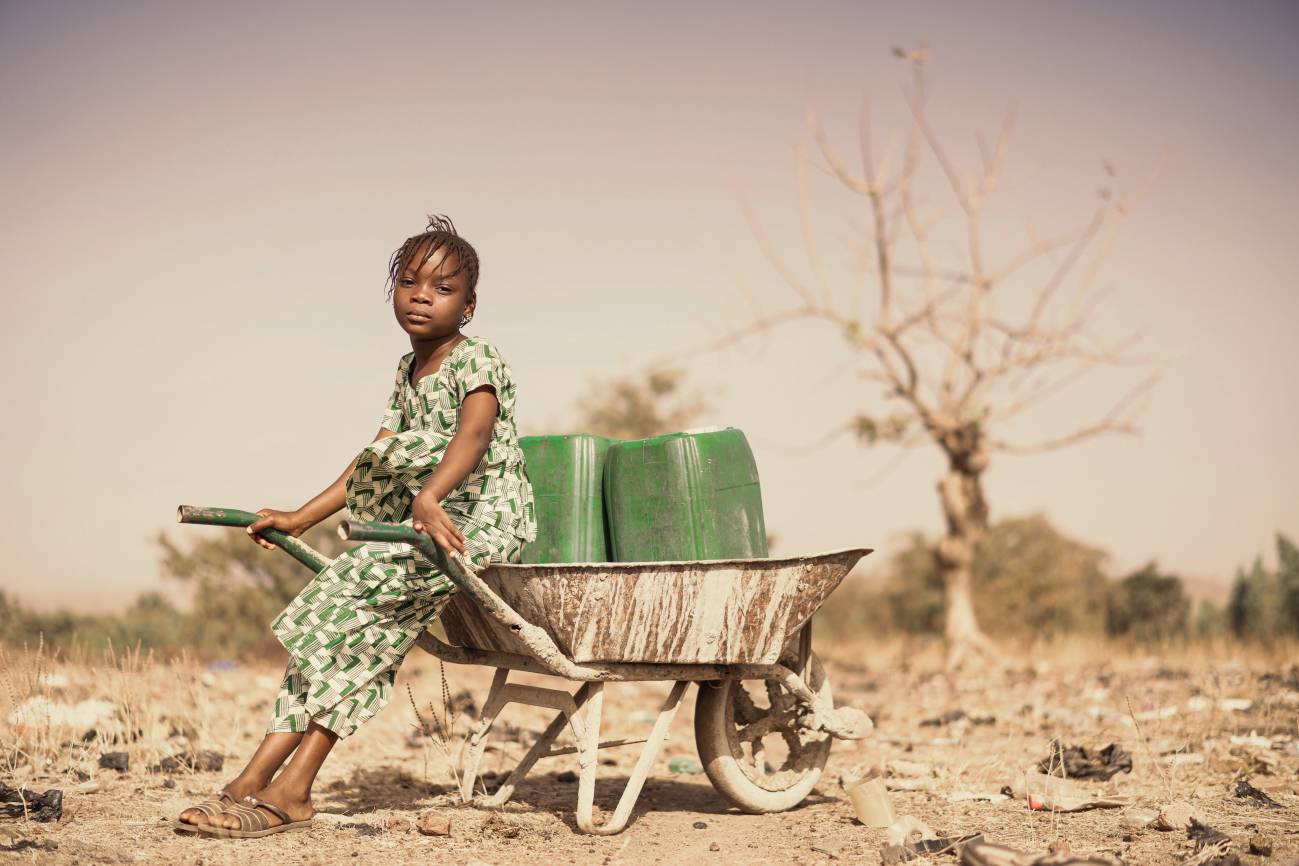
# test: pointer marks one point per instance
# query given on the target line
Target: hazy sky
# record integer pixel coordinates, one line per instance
(200, 200)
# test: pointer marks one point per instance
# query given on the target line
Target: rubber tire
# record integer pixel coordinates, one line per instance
(721, 765)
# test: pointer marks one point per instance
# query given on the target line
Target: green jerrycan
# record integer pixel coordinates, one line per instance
(566, 475)
(684, 496)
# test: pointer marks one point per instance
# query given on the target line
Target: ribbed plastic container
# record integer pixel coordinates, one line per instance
(684, 496)
(566, 475)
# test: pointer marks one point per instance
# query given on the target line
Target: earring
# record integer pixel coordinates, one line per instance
(466, 319)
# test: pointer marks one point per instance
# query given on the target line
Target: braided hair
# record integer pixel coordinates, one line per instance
(439, 233)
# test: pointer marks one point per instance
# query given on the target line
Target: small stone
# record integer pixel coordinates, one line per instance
(432, 823)
(699, 825)
(208, 761)
(567, 776)
(169, 783)
(1175, 816)
(1260, 846)
(398, 824)
(714, 847)
(119, 761)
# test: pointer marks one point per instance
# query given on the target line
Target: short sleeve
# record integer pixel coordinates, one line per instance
(393, 415)
(480, 366)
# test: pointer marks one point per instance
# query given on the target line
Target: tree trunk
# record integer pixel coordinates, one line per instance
(965, 512)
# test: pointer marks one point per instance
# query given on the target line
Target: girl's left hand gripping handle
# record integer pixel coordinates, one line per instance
(300, 551)
(452, 566)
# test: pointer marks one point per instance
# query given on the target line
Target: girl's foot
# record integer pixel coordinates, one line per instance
(298, 808)
(227, 797)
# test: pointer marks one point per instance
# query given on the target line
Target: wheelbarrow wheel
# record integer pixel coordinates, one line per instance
(751, 745)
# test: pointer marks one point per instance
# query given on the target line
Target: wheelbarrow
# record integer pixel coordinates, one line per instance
(740, 628)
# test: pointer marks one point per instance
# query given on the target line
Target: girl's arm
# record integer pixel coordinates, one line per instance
(464, 452)
(329, 501)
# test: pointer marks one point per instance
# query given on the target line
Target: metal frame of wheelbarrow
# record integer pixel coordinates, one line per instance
(548, 659)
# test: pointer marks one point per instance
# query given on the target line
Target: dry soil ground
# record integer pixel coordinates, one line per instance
(1156, 709)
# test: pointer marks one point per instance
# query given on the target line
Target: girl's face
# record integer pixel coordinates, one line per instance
(428, 303)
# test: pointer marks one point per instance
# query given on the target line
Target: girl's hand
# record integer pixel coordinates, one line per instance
(287, 522)
(430, 518)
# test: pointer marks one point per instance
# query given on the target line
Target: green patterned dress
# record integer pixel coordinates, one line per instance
(349, 629)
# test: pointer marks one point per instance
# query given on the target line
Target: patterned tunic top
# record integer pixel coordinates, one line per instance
(425, 416)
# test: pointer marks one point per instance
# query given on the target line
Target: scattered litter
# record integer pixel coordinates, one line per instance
(902, 775)
(53, 680)
(496, 825)
(1212, 847)
(975, 797)
(433, 823)
(908, 828)
(1177, 815)
(700, 825)
(1247, 791)
(119, 761)
(979, 852)
(1254, 739)
(1198, 703)
(1139, 818)
(1264, 763)
(1183, 759)
(1053, 794)
(946, 718)
(910, 768)
(1260, 846)
(40, 711)
(1079, 763)
(685, 764)
(919, 848)
(909, 839)
(1150, 715)
(206, 761)
(20, 803)
(362, 828)
(1235, 705)
(869, 796)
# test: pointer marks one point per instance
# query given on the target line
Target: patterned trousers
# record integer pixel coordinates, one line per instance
(350, 628)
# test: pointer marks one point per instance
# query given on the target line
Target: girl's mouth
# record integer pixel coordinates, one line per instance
(418, 318)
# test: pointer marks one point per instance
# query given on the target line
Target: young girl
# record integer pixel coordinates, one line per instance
(446, 460)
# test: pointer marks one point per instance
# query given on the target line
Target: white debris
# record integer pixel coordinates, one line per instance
(1184, 759)
(1253, 738)
(54, 680)
(41, 711)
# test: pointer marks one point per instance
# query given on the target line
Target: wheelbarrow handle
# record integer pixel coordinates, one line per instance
(299, 550)
(453, 567)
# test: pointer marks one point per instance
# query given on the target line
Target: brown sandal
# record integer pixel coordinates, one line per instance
(211, 808)
(254, 824)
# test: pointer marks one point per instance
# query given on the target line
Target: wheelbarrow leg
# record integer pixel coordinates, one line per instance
(538, 750)
(502, 694)
(476, 742)
(588, 745)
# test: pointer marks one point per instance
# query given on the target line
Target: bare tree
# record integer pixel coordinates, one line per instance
(960, 368)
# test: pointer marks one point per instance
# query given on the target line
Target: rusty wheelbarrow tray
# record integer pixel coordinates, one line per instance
(764, 716)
